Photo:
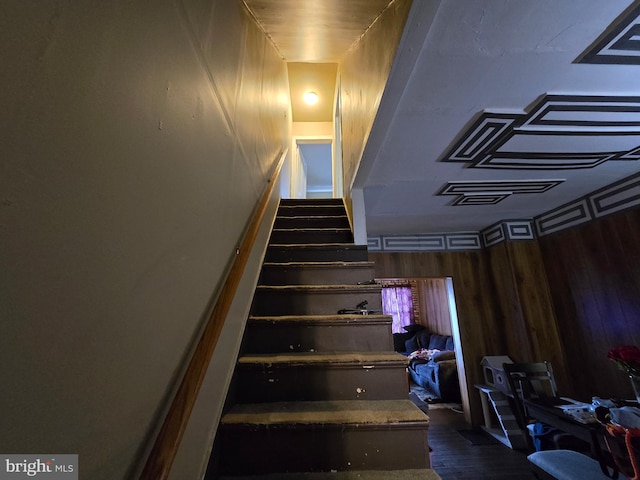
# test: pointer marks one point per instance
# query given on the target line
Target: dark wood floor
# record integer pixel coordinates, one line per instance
(455, 458)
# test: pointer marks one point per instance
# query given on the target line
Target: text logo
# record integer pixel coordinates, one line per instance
(39, 467)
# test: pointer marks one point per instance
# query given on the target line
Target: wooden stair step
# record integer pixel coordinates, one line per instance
(303, 333)
(316, 273)
(354, 413)
(310, 210)
(408, 474)
(333, 320)
(314, 299)
(316, 252)
(311, 201)
(372, 359)
(313, 376)
(310, 235)
(313, 221)
(324, 436)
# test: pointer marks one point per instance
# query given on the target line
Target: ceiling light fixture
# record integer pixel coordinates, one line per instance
(311, 98)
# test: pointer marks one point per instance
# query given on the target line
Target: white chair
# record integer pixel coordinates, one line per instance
(566, 465)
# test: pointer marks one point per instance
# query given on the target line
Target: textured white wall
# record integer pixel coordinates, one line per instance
(137, 138)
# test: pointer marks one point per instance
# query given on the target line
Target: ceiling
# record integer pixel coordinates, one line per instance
(319, 78)
(511, 109)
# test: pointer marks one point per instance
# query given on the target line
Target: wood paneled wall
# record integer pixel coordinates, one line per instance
(567, 298)
(434, 305)
(475, 301)
(525, 308)
(594, 279)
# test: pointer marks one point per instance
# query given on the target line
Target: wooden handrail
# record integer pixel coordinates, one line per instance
(167, 442)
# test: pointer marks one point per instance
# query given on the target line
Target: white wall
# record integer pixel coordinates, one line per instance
(193, 456)
(137, 138)
(304, 132)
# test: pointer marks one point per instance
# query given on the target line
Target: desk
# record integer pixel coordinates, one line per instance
(593, 433)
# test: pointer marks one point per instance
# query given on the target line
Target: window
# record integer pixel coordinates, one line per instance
(397, 301)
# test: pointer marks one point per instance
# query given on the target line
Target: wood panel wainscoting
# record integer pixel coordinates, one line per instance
(594, 275)
(568, 297)
(474, 299)
(529, 324)
(503, 304)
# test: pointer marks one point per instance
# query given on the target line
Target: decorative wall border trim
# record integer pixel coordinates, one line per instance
(613, 198)
(513, 230)
(618, 196)
(426, 242)
(620, 45)
(564, 217)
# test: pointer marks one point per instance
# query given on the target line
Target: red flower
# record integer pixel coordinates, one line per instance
(627, 358)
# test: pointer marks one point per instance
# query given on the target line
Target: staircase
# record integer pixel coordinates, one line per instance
(314, 390)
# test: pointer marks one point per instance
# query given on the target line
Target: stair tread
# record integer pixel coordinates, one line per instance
(335, 205)
(307, 358)
(409, 474)
(346, 318)
(313, 229)
(319, 245)
(314, 217)
(355, 264)
(371, 288)
(337, 412)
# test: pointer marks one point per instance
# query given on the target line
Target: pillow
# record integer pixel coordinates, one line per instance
(449, 345)
(399, 339)
(445, 355)
(411, 345)
(413, 328)
(438, 342)
(423, 337)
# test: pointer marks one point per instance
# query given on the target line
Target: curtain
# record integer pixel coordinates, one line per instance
(397, 302)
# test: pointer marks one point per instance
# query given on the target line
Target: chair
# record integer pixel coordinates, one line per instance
(565, 465)
(624, 446)
(536, 381)
(526, 381)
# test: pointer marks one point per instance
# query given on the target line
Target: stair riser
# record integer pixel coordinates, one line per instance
(296, 338)
(352, 253)
(322, 448)
(269, 302)
(312, 222)
(300, 275)
(310, 211)
(314, 383)
(311, 236)
(315, 201)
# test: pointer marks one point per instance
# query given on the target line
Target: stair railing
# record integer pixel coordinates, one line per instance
(165, 448)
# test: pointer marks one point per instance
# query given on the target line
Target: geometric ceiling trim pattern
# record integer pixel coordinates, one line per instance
(480, 198)
(613, 198)
(621, 45)
(618, 196)
(492, 192)
(559, 132)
